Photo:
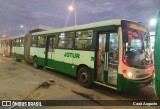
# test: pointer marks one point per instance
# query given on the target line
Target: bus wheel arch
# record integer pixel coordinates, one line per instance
(35, 62)
(84, 76)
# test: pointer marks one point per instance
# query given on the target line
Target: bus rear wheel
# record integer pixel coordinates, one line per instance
(84, 77)
(35, 62)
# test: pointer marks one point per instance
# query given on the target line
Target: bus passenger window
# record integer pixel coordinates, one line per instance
(21, 42)
(66, 40)
(34, 41)
(41, 41)
(113, 48)
(50, 44)
(84, 39)
(13, 43)
(17, 43)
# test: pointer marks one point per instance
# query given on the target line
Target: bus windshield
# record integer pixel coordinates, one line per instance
(137, 51)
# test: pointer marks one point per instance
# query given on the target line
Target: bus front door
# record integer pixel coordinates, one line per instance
(107, 58)
(50, 51)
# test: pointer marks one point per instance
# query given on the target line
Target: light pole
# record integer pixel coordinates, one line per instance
(24, 28)
(71, 8)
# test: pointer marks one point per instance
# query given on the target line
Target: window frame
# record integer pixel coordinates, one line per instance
(92, 39)
(72, 44)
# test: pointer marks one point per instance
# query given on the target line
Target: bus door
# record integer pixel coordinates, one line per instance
(107, 56)
(50, 51)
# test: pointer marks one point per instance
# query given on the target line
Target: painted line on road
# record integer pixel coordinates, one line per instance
(13, 78)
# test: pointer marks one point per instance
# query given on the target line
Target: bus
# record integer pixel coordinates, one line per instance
(13, 46)
(114, 53)
(17, 47)
(157, 58)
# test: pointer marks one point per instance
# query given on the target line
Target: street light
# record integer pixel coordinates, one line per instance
(4, 35)
(71, 8)
(22, 26)
(153, 22)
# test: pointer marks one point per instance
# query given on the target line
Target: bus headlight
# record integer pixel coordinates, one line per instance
(129, 74)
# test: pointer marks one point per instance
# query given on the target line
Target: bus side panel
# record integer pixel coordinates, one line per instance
(85, 58)
(19, 51)
(62, 62)
(67, 61)
(39, 53)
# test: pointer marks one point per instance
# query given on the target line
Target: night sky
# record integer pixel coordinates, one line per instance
(14, 13)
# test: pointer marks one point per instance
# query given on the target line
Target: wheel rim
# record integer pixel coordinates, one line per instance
(84, 77)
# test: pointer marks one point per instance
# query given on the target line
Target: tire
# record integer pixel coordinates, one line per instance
(84, 77)
(35, 62)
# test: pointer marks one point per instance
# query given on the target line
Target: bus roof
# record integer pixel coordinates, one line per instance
(81, 27)
(13, 37)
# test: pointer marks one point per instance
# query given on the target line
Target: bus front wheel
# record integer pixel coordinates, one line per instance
(84, 77)
(35, 62)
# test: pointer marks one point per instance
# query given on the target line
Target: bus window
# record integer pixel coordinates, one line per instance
(21, 42)
(34, 41)
(66, 40)
(41, 41)
(17, 42)
(113, 48)
(84, 39)
(50, 44)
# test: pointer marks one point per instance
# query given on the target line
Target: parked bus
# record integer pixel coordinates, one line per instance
(157, 58)
(17, 44)
(114, 53)
(13, 46)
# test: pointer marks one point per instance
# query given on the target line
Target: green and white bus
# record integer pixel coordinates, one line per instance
(157, 58)
(17, 47)
(114, 53)
(13, 46)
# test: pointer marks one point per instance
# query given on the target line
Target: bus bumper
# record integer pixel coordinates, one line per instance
(132, 85)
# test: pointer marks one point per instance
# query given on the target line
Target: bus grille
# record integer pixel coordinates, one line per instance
(144, 75)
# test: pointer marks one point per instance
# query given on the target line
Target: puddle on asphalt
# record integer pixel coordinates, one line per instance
(46, 84)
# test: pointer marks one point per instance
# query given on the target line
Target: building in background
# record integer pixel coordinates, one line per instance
(39, 28)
